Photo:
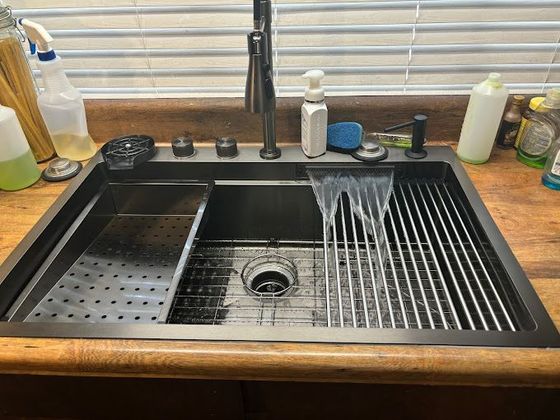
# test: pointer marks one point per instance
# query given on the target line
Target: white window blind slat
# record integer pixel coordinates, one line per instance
(293, 90)
(314, 29)
(310, 7)
(287, 51)
(298, 71)
(188, 48)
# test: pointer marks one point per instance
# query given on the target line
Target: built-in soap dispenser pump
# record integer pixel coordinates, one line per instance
(418, 123)
(314, 116)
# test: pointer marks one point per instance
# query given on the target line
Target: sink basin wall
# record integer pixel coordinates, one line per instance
(253, 211)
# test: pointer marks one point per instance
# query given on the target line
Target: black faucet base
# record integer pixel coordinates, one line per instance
(270, 154)
(416, 155)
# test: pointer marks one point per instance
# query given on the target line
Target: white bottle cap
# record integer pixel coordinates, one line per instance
(314, 92)
(495, 77)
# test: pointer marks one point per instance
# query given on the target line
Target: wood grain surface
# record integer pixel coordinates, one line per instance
(525, 211)
(206, 119)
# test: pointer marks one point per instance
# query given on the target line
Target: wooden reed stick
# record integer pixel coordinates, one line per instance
(17, 90)
(8, 98)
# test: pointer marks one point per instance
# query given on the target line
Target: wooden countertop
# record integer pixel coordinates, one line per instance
(525, 211)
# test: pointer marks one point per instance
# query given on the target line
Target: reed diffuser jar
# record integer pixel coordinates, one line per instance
(18, 89)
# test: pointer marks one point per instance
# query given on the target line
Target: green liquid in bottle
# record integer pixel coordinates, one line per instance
(19, 173)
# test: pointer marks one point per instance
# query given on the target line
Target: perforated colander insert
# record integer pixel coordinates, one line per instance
(123, 276)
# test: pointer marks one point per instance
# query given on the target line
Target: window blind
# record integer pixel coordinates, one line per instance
(187, 48)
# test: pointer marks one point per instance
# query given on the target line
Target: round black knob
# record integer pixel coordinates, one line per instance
(226, 147)
(183, 146)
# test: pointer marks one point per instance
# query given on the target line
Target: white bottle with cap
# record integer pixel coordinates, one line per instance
(314, 116)
(61, 104)
(483, 117)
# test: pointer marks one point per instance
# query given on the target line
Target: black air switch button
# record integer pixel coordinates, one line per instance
(183, 146)
(226, 147)
(127, 152)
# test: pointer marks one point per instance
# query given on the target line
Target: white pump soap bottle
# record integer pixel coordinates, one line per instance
(60, 104)
(314, 116)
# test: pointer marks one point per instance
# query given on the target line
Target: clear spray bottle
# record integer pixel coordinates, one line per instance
(60, 104)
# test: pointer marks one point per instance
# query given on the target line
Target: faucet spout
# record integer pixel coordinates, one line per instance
(259, 89)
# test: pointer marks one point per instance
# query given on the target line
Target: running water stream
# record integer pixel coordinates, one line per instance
(368, 191)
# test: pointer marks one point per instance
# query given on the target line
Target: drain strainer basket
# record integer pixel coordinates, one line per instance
(269, 276)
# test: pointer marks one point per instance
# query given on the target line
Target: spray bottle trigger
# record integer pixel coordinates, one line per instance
(32, 45)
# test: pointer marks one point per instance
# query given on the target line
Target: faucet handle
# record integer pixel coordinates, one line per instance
(418, 123)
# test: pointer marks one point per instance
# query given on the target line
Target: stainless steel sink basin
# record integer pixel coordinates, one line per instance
(237, 250)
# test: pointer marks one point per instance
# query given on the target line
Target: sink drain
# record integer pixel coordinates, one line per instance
(270, 282)
(269, 276)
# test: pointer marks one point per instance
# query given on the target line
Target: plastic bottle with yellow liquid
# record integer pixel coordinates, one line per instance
(482, 119)
(60, 104)
(534, 103)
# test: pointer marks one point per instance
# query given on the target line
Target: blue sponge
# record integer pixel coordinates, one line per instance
(344, 137)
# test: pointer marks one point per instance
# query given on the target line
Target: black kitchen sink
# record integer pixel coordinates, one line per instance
(237, 249)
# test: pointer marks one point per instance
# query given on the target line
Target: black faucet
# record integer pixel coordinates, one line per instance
(418, 123)
(259, 89)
